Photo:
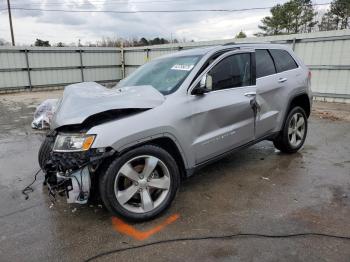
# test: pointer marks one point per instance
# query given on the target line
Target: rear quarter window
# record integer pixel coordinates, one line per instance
(283, 60)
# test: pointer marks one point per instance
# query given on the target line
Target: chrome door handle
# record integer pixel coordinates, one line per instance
(250, 94)
(281, 80)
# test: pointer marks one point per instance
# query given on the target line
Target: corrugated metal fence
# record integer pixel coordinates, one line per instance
(42, 67)
(326, 53)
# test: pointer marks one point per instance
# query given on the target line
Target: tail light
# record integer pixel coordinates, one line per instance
(309, 75)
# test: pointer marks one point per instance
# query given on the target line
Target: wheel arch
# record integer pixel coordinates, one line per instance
(166, 142)
(301, 100)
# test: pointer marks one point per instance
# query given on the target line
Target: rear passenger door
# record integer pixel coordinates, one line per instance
(275, 71)
(268, 89)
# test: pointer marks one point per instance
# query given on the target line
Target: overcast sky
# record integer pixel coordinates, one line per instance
(89, 27)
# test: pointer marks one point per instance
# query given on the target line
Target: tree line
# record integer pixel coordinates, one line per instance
(114, 42)
(300, 16)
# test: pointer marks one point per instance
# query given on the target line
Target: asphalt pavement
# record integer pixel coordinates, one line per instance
(257, 190)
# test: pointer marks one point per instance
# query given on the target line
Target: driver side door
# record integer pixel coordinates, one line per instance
(223, 118)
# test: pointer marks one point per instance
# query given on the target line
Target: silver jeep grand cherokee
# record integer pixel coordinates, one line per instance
(132, 145)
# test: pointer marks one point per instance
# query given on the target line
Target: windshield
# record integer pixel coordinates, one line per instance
(165, 74)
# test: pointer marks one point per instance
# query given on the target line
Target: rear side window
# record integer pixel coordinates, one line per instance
(283, 60)
(232, 71)
(264, 63)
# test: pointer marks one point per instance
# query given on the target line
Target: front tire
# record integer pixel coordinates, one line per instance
(140, 184)
(292, 137)
(44, 151)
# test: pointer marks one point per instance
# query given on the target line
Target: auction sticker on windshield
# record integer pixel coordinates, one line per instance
(182, 67)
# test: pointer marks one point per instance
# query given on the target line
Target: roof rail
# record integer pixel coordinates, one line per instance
(230, 43)
(244, 43)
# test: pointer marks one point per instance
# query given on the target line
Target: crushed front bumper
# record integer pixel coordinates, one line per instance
(71, 174)
(75, 185)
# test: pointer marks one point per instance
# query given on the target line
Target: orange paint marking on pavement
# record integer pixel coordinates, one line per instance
(124, 228)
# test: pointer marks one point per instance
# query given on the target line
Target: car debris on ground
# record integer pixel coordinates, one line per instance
(44, 113)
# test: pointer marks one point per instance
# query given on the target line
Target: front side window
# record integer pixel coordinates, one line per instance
(264, 63)
(283, 60)
(165, 74)
(232, 71)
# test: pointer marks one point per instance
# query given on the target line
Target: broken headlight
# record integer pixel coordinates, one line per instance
(73, 142)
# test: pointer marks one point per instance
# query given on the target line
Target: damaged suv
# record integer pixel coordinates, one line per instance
(133, 144)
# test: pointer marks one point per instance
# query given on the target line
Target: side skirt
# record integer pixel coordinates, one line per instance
(193, 170)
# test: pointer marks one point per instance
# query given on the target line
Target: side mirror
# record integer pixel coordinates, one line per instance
(204, 86)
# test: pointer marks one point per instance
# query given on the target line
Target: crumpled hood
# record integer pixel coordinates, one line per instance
(82, 100)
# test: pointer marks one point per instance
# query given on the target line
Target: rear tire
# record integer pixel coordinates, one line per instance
(292, 137)
(140, 184)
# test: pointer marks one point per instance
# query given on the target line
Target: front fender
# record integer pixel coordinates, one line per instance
(124, 139)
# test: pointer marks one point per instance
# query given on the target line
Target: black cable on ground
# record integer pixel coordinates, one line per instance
(217, 237)
(29, 189)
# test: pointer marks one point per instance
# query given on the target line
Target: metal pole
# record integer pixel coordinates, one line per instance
(122, 59)
(81, 65)
(10, 18)
(28, 70)
(294, 40)
(147, 54)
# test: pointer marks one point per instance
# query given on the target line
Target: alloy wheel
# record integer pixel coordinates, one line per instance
(142, 184)
(296, 129)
